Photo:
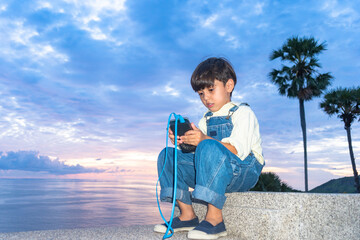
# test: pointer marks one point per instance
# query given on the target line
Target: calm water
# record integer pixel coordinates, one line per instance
(42, 204)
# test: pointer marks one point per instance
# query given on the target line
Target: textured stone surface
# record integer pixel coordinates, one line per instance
(262, 215)
(110, 233)
(250, 215)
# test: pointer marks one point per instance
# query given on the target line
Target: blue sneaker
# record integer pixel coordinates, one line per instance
(178, 225)
(206, 230)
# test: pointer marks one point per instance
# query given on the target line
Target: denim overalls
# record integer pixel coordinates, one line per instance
(212, 170)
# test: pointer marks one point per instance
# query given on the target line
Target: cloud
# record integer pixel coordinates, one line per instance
(94, 79)
(33, 162)
(101, 19)
(341, 14)
(209, 20)
(258, 8)
(24, 42)
(168, 90)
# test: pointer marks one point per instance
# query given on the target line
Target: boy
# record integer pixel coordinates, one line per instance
(228, 157)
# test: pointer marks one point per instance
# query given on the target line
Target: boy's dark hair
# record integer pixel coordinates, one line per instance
(210, 70)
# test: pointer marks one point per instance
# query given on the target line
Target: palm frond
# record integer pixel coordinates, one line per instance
(344, 102)
(301, 79)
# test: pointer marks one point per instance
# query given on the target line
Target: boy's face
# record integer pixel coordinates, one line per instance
(216, 96)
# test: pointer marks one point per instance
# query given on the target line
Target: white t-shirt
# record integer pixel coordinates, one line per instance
(245, 136)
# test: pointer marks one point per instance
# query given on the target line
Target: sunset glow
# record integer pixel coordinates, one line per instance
(86, 87)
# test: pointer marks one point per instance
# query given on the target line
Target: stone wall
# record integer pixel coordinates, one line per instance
(269, 215)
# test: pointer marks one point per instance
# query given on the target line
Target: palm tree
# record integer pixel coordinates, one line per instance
(301, 79)
(346, 104)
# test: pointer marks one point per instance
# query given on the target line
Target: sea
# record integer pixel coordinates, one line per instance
(46, 204)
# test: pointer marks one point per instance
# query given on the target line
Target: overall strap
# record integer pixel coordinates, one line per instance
(231, 111)
(208, 114)
(234, 108)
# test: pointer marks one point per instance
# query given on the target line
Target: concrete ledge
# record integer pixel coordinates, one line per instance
(268, 215)
(108, 233)
(135, 232)
(250, 215)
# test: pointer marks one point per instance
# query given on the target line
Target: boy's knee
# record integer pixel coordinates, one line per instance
(207, 150)
(208, 145)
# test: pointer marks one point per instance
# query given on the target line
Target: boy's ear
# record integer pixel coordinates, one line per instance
(229, 86)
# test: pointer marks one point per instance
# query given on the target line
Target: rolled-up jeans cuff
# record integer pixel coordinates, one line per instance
(166, 195)
(209, 196)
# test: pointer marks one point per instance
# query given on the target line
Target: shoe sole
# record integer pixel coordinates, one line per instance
(195, 234)
(162, 229)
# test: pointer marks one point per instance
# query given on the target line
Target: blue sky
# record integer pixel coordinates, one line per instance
(92, 83)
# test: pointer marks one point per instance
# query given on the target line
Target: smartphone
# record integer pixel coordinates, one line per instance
(182, 128)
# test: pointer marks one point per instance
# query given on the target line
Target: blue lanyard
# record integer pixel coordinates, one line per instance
(168, 224)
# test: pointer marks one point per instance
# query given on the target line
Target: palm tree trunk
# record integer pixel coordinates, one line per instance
(303, 128)
(356, 176)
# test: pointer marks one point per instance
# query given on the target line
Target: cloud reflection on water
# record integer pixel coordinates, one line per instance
(41, 204)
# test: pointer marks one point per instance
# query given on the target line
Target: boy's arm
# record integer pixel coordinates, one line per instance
(230, 147)
(245, 136)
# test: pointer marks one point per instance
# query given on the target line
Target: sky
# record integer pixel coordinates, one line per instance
(86, 87)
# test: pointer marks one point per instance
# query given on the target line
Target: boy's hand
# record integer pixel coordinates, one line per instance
(172, 137)
(193, 137)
